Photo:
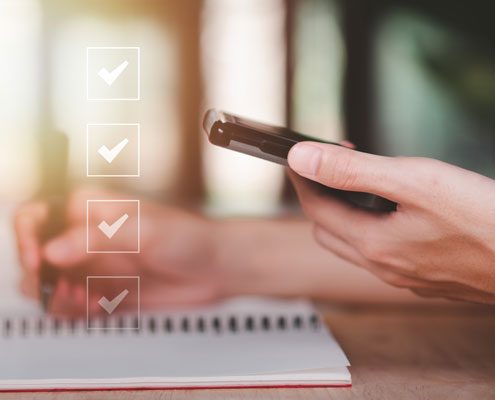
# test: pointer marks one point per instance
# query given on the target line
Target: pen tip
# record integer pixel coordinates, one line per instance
(46, 292)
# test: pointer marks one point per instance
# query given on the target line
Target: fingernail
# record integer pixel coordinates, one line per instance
(305, 158)
(58, 250)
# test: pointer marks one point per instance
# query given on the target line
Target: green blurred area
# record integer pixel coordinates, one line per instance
(431, 75)
(436, 92)
(398, 77)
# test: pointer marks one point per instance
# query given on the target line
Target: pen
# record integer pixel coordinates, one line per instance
(53, 190)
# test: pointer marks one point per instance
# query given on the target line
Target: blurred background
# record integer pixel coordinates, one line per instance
(408, 77)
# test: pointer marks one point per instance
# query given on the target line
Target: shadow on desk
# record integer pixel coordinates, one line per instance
(406, 352)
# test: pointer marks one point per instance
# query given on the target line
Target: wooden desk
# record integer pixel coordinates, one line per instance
(396, 353)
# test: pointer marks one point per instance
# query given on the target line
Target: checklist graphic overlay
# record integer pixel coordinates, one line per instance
(113, 150)
(113, 73)
(113, 226)
(113, 302)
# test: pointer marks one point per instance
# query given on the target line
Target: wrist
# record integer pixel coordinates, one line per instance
(253, 259)
(234, 256)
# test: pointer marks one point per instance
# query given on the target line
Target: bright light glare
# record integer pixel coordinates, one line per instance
(244, 72)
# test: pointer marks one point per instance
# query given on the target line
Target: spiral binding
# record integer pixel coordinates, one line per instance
(158, 324)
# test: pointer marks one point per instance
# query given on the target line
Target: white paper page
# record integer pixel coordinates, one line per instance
(179, 356)
(126, 355)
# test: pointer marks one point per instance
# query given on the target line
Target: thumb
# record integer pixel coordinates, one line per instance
(346, 169)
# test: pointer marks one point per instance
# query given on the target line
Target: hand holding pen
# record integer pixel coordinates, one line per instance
(49, 211)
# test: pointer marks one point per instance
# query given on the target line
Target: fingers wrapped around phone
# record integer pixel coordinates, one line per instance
(344, 221)
(353, 234)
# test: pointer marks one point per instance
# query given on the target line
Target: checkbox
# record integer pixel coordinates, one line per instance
(113, 302)
(113, 150)
(113, 226)
(113, 73)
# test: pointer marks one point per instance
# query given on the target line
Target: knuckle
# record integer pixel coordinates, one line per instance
(426, 174)
(419, 165)
(427, 169)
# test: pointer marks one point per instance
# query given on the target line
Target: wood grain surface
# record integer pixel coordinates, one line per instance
(446, 352)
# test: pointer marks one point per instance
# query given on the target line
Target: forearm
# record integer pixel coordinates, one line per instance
(281, 257)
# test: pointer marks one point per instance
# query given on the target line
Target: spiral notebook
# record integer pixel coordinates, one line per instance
(244, 342)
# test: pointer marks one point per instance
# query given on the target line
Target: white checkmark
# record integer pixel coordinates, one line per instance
(110, 154)
(110, 77)
(110, 230)
(110, 305)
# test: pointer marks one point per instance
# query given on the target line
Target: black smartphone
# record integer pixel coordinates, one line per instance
(272, 143)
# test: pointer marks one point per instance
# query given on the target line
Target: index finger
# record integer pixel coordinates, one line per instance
(342, 220)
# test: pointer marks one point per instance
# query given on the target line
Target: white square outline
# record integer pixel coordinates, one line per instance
(111, 277)
(138, 98)
(114, 251)
(88, 175)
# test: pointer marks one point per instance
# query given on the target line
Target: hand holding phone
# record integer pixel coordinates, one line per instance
(273, 143)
